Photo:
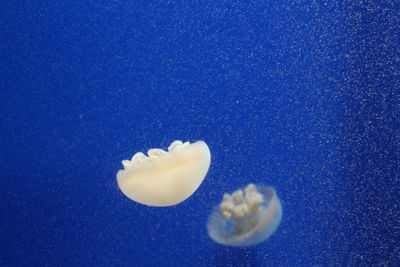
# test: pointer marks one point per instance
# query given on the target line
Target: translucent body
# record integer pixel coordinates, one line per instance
(165, 178)
(258, 222)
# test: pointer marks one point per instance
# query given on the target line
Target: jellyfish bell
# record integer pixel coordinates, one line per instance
(165, 178)
(245, 217)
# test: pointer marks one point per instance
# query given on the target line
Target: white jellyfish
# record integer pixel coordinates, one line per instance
(165, 178)
(246, 217)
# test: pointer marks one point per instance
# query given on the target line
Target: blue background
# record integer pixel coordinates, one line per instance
(300, 95)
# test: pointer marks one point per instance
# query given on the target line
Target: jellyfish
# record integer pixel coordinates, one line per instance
(246, 217)
(165, 178)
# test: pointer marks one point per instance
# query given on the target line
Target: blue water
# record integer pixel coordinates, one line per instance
(299, 95)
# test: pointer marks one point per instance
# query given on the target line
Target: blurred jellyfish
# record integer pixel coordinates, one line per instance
(165, 178)
(246, 217)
